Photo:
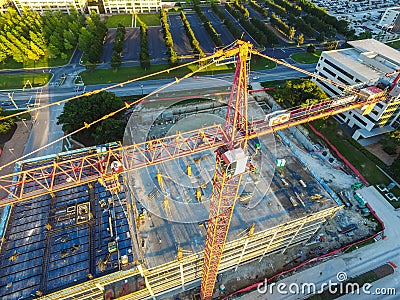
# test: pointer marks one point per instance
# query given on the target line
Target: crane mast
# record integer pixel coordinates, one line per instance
(230, 165)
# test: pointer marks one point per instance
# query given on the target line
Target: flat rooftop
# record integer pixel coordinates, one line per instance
(372, 45)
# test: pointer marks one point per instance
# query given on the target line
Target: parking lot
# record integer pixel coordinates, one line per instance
(224, 33)
(157, 48)
(108, 45)
(132, 44)
(246, 36)
(200, 33)
(181, 42)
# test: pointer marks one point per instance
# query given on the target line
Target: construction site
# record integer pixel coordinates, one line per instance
(148, 217)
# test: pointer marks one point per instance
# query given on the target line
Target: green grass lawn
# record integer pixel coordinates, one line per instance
(261, 63)
(126, 73)
(306, 58)
(332, 131)
(17, 81)
(113, 21)
(395, 44)
(150, 19)
(41, 63)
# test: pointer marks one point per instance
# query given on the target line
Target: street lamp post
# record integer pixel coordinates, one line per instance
(23, 121)
(12, 152)
(141, 86)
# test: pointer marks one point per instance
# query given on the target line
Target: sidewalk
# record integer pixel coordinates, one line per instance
(13, 149)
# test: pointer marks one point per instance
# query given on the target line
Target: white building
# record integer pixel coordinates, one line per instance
(367, 62)
(129, 6)
(391, 19)
(44, 5)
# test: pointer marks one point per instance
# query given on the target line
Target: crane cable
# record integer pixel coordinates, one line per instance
(87, 125)
(121, 84)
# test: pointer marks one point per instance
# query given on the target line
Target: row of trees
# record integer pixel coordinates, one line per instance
(323, 27)
(313, 10)
(282, 26)
(173, 56)
(258, 8)
(236, 33)
(91, 38)
(88, 109)
(192, 38)
(30, 36)
(276, 8)
(271, 37)
(242, 9)
(255, 32)
(208, 26)
(118, 46)
(290, 7)
(301, 25)
(144, 46)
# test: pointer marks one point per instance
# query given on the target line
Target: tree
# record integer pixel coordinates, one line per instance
(320, 37)
(300, 92)
(391, 141)
(332, 45)
(116, 60)
(292, 32)
(395, 167)
(86, 110)
(311, 48)
(7, 124)
(300, 39)
(109, 130)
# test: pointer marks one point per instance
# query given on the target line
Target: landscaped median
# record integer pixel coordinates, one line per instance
(306, 57)
(100, 76)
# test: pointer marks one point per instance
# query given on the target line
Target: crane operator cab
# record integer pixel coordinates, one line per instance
(232, 162)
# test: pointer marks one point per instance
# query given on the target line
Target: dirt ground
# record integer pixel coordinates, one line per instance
(376, 149)
(14, 149)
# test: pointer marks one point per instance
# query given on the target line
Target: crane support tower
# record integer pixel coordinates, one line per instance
(231, 161)
(228, 141)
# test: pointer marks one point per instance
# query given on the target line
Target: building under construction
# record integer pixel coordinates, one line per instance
(146, 234)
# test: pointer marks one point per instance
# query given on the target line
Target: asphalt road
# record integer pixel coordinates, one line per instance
(246, 35)
(131, 49)
(181, 42)
(200, 33)
(108, 45)
(157, 48)
(224, 33)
